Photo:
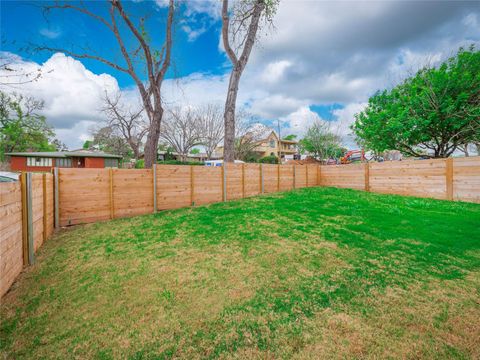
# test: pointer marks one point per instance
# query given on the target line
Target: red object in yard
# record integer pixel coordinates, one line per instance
(353, 155)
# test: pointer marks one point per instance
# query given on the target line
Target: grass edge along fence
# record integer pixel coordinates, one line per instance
(26, 222)
(29, 208)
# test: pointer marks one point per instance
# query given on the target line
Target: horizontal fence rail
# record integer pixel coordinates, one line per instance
(30, 208)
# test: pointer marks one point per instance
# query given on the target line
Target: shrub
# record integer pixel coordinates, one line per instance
(271, 159)
(139, 164)
(179, 162)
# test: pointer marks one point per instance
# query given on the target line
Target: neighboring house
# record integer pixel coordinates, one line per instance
(272, 145)
(45, 161)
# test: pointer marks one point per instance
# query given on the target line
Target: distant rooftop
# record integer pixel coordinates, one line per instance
(65, 154)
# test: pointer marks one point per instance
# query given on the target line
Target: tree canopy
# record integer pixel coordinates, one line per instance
(320, 141)
(432, 113)
(22, 128)
(108, 140)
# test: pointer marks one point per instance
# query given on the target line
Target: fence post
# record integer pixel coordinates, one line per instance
(192, 198)
(154, 174)
(224, 181)
(243, 180)
(23, 184)
(44, 179)
(367, 176)
(449, 177)
(112, 210)
(294, 176)
(30, 245)
(56, 199)
(278, 177)
(261, 179)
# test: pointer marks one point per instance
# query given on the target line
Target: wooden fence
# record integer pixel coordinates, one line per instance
(447, 179)
(88, 195)
(73, 196)
(26, 221)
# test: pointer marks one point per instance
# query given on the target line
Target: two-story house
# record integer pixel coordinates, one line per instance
(272, 145)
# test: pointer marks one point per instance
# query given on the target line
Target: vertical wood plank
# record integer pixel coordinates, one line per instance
(30, 247)
(306, 175)
(23, 183)
(294, 175)
(243, 180)
(154, 175)
(56, 209)
(112, 211)
(192, 195)
(278, 177)
(44, 179)
(224, 182)
(319, 175)
(261, 179)
(449, 178)
(367, 176)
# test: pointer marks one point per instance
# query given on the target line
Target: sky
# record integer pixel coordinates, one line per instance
(320, 61)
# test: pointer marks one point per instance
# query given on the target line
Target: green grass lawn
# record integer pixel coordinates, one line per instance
(313, 273)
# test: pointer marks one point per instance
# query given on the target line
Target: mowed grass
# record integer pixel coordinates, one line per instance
(313, 273)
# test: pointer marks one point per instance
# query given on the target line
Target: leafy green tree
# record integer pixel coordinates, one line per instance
(88, 144)
(140, 164)
(271, 159)
(320, 141)
(195, 151)
(432, 113)
(290, 137)
(107, 140)
(22, 128)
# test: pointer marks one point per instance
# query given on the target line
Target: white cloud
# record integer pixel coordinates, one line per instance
(211, 8)
(161, 3)
(274, 106)
(50, 33)
(275, 71)
(193, 34)
(72, 94)
(344, 118)
(299, 121)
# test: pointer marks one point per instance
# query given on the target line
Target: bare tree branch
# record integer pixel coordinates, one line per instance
(181, 130)
(155, 69)
(211, 126)
(129, 122)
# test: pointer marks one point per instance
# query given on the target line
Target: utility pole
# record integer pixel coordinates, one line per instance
(279, 142)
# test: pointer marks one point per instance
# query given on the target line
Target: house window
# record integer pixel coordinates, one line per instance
(63, 162)
(39, 161)
(111, 163)
(272, 143)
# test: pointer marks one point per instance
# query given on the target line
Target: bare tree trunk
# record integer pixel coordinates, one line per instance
(151, 145)
(239, 63)
(229, 116)
(135, 149)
